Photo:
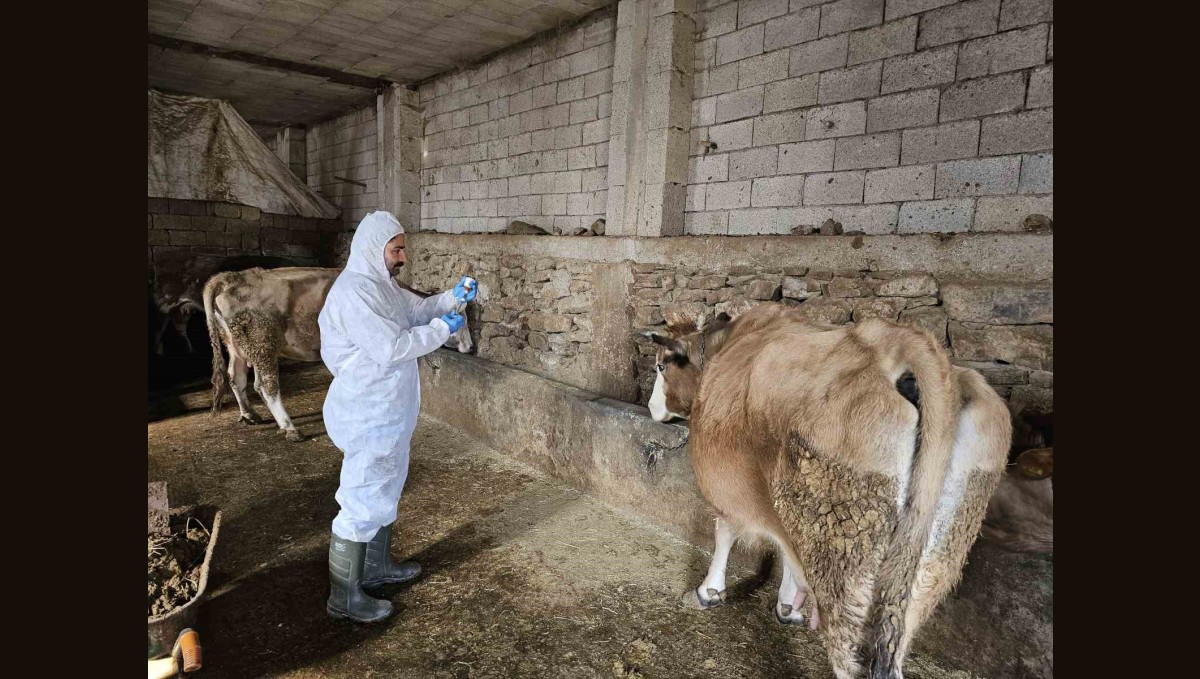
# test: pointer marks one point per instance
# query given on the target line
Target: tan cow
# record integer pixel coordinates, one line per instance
(262, 315)
(1020, 515)
(858, 451)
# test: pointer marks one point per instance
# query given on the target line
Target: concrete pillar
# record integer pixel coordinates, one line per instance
(291, 148)
(398, 155)
(651, 120)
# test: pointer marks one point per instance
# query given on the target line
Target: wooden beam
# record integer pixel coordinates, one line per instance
(331, 74)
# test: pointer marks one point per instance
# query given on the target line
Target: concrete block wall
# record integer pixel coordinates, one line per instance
(523, 136)
(887, 116)
(345, 147)
(200, 228)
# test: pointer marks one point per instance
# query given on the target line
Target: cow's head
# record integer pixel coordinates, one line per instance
(682, 352)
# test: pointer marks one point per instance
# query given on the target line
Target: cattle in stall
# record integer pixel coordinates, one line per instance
(260, 316)
(1020, 515)
(860, 452)
(178, 293)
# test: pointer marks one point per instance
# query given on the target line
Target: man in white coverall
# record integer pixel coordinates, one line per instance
(372, 332)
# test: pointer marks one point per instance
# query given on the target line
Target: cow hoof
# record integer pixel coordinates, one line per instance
(293, 436)
(711, 599)
(251, 419)
(785, 615)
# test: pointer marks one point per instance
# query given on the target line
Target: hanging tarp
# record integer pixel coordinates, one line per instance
(201, 149)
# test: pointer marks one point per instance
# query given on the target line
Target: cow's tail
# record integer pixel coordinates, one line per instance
(938, 406)
(220, 378)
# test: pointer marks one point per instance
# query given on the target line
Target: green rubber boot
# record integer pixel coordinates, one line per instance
(346, 597)
(379, 569)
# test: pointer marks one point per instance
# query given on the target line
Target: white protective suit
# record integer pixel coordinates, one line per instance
(372, 332)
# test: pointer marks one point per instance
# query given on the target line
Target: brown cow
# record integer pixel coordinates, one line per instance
(860, 452)
(261, 315)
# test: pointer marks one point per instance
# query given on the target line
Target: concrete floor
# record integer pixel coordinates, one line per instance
(524, 576)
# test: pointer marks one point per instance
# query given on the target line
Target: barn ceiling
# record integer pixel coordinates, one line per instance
(298, 61)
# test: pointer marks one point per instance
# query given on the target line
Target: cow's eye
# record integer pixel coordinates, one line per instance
(660, 367)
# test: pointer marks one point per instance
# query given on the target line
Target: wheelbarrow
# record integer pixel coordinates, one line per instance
(163, 630)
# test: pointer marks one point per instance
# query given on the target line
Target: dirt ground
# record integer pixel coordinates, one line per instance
(524, 576)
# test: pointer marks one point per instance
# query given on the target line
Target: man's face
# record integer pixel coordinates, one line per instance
(393, 254)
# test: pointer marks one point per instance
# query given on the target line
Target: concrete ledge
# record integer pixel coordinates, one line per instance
(607, 448)
(999, 623)
(981, 254)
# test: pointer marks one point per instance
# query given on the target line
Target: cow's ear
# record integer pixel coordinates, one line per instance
(670, 343)
(1037, 463)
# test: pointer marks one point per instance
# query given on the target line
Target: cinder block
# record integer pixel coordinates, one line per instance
(942, 142)
(720, 21)
(704, 169)
(838, 120)
(594, 84)
(923, 69)
(856, 82)
(907, 109)
(226, 210)
(759, 162)
(753, 222)
(888, 40)
(1001, 53)
(1041, 88)
(740, 104)
(1018, 132)
(1008, 213)
(579, 203)
(1037, 173)
(834, 188)
(747, 42)
(762, 69)
(695, 198)
(756, 11)
(898, 8)
(518, 186)
(809, 156)
(713, 81)
(667, 101)
(792, 93)
(731, 136)
(962, 21)
(792, 29)
(914, 182)
(777, 191)
(727, 195)
(1017, 13)
(704, 112)
(779, 128)
(983, 96)
(595, 179)
(706, 223)
(595, 132)
(936, 216)
(982, 177)
(583, 111)
(872, 150)
(568, 90)
(188, 237)
(819, 55)
(848, 15)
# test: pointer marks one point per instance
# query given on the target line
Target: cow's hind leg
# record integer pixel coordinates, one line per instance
(793, 592)
(238, 367)
(711, 592)
(266, 383)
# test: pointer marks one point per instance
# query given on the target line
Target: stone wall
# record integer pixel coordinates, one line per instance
(1001, 326)
(987, 298)
(531, 313)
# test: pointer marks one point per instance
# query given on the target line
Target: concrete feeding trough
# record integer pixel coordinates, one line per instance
(162, 630)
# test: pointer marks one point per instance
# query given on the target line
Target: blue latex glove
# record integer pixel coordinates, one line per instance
(462, 294)
(455, 320)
